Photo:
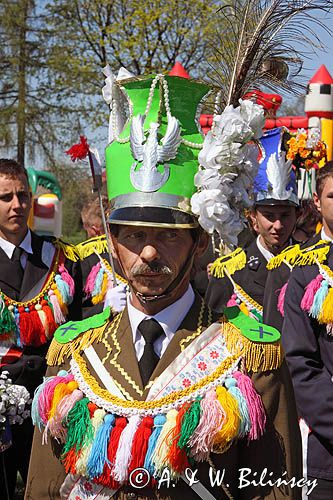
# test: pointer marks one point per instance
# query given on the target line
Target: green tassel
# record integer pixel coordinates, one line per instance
(7, 323)
(80, 429)
(190, 422)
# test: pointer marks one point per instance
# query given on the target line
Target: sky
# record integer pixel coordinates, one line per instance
(321, 56)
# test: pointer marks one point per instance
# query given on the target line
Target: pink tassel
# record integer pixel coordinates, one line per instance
(90, 282)
(254, 404)
(232, 301)
(46, 396)
(310, 291)
(57, 312)
(282, 294)
(67, 278)
(64, 407)
(211, 421)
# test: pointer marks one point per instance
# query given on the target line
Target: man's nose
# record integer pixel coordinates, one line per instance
(149, 253)
(277, 225)
(16, 203)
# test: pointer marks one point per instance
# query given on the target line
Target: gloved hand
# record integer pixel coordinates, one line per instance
(116, 298)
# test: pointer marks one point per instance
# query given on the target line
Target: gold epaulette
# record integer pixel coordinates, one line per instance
(296, 256)
(77, 336)
(97, 244)
(256, 356)
(234, 261)
(58, 352)
(68, 249)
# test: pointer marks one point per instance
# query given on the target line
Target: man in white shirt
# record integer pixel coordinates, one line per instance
(29, 265)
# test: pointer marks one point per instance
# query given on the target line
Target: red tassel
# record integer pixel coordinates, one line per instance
(105, 478)
(25, 326)
(52, 325)
(140, 443)
(70, 461)
(177, 457)
(38, 335)
(92, 408)
(79, 151)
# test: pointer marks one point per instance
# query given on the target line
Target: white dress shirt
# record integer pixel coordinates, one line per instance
(47, 249)
(266, 253)
(169, 318)
(324, 236)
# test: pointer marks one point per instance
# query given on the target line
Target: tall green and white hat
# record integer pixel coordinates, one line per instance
(162, 171)
(152, 161)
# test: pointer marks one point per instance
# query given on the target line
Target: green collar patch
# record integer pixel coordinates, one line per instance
(251, 328)
(71, 330)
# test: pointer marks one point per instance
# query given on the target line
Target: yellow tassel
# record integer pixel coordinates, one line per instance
(97, 299)
(296, 257)
(257, 356)
(326, 314)
(58, 352)
(68, 250)
(289, 255)
(311, 255)
(230, 426)
(231, 263)
(61, 390)
(243, 308)
(97, 244)
(81, 464)
(163, 444)
(43, 320)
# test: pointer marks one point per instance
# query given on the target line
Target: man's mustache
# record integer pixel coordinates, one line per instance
(150, 268)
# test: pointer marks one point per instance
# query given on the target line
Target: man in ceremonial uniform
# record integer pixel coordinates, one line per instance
(240, 277)
(165, 389)
(315, 248)
(40, 288)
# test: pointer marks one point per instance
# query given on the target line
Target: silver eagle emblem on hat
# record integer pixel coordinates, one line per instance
(148, 178)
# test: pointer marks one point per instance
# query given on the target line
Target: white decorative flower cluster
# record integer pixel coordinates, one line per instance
(229, 165)
(14, 402)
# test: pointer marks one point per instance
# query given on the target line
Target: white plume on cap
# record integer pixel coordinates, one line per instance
(278, 175)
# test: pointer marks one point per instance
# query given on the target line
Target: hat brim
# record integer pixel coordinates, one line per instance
(272, 202)
(153, 217)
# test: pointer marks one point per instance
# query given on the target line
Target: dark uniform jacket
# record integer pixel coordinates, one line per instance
(278, 449)
(252, 278)
(276, 278)
(28, 370)
(309, 352)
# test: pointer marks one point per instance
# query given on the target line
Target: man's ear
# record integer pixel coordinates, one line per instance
(253, 219)
(316, 201)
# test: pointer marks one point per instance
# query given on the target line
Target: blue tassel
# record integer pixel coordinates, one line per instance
(63, 288)
(159, 421)
(36, 420)
(245, 421)
(99, 452)
(319, 299)
(98, 283)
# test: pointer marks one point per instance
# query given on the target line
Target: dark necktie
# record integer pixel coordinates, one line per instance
(151, 330)
(16, 259)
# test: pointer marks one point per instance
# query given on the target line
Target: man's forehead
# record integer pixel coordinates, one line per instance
(7, 180)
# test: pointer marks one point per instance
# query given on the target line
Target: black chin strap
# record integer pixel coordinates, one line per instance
(179, 278)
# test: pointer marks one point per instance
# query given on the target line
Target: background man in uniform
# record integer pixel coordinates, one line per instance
(26, 263)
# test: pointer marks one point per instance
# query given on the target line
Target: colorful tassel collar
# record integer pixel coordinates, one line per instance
(106, 446)
(317, 300)
(32, 323)
(100, 281)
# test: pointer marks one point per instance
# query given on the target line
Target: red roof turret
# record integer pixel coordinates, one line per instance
(179, 70)
(322, 76)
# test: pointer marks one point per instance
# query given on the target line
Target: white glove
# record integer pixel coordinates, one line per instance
(116, 298)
